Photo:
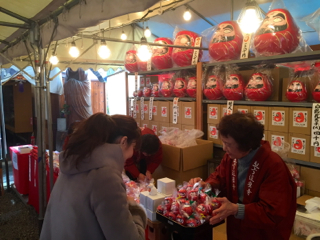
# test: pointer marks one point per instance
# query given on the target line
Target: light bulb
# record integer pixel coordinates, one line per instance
(250, 21)
(147, 32)
(187, 15)
(144, 53)
(123, 36)
(74, 51)
(104, 52)
(53, 60)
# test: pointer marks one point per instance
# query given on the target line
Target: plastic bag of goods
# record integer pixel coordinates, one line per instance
(213, 83)
(180, 85)
(131, 61)
(166, 84)
(192, 85)
(233, 88)
(161, 55)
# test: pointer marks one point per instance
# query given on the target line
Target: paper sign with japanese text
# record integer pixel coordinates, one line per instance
(229, 107)
(278, 118)
(195, 56)
(300, 119)
(260, 116)
(298, 145)
(245, 45)
(214, 132)
(315, 126)
(151, 108)
(142, 107)
(213, 112)
(175, 110)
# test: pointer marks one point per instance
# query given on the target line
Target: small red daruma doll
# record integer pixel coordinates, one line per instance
(213, 88)
(316, 93)
(233, 88)
(146, 92)
(131, 63)
(192, 87)
(226, 42)
(155, 90)
(259, 87)
(183, 56)
(296, 91)
(277, 34)
(166, 87)
(180, 87)
(161, 55)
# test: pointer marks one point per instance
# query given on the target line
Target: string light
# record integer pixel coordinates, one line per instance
(53, 60)
(104, 52)
(74, 51)
(123, 36)
(147, 32)
(187, 15)
(144, 53)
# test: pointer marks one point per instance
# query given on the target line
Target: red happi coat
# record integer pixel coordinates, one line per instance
(269, 196)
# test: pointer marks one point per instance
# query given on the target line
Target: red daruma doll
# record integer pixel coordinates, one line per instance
(316, 93)
(166, 86)
(213, 88)
(226, 42)
(155, 90)
(233, 88)
(180, 87)
(296, 91)
(131, 63)
(142, 66)
(161, 55)
(278, 34)
(258, 88)
(183, 56)
(192, 87)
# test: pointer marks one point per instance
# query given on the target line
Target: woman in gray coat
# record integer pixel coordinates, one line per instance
(89, 198)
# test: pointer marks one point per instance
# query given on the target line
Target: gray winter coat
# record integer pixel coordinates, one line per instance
(91, 203)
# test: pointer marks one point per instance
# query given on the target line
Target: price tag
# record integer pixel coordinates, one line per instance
(195, 56)
(245, 45)
(230, 107)
(150, 108)
(142, 107)
(315, 126)
(135, 81)
(134, 107)
(175, 110)
(149, 65)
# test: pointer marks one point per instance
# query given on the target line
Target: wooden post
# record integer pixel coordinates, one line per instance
(199, 97)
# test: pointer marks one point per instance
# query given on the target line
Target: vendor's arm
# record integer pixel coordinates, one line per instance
(130, 165)
(155, 160)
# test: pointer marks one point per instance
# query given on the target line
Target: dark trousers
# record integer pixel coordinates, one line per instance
(142, 167)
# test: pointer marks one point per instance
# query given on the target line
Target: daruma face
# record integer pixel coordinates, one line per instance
(226, 42)
(161, 55)
(258, 88)
(212, 88)
(278, 34)
(233, 88)
(316, 93)
(296, 91)
(131, 63)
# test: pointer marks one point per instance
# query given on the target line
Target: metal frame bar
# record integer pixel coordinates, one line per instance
(4, 42)
(14, 25)
(15, 15)
(21, 70)
(199, 14)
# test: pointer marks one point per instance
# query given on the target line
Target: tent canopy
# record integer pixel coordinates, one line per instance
(90, 17)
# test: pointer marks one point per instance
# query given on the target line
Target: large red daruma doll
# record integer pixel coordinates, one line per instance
(180, 87)
(183, 56)
(296, 91)
(278, 34)
(213, 88)
(234, 87)
(161, 55)
(259, 87)
(131, 63)
(226, 42)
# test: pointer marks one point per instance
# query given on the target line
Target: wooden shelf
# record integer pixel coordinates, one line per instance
(263, 103)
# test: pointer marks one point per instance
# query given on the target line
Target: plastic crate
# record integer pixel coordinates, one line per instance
(179, 232)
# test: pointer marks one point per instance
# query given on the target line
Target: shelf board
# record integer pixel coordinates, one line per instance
(291, 57)
(186, 99)
(291, 160)
(191, 67)
(262, 103)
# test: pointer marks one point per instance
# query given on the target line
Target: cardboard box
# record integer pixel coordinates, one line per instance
(223, 109)
(188, 111)
(166, 185)
(278, 119)
(310, 84)
(184, 159)
(155, 111)
(266, 136)
(213, 134)
(213, 113)
(164, 112)
(277, 140)
(262, 115)
(163, 127)
(311, 177)
(315, 154)
(242, 108)
(300, 146)
(179, 112)
(187, 127)
(145, 123)
(155, 126)
(300, 120)
(175, 125)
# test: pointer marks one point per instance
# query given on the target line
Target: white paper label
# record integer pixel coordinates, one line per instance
(142, 107)
(188, 112)
(278, 118)
(150, 108)
(15, 160)
(245, 45)
(300, 119)
(145, 109)
(224, 111)
(142, 82)
(164, 112)
(213, 112)
(135, 108)
(154, 110)
(317, 151)
(229, 107)
(277, 142)
(149, 64)
(243, 110)
(148, 82)
(195, 55)
(260, 116)
(298, 145)
(175, 110)
(154, 128)
(213, 132)
(135, 82)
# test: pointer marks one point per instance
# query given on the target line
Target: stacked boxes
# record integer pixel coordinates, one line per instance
(166, 186)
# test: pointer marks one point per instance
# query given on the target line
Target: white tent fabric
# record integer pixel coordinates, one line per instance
(56, 85)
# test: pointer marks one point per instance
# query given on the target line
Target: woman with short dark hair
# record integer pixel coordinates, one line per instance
(257, 189)
(89, 199)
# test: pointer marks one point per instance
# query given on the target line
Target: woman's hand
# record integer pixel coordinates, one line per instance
(227, 208)
(141, 177)
(148, 175)
(199, 180)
